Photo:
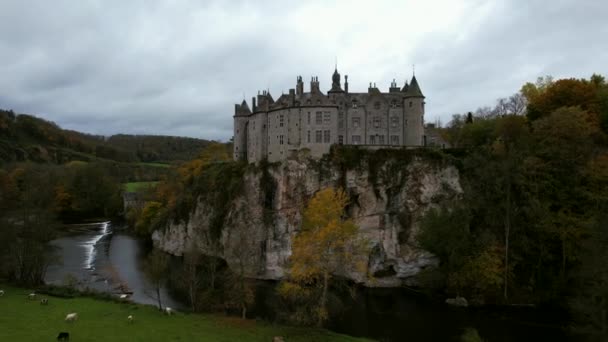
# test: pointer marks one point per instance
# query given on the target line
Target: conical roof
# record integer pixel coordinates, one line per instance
(414, 89)
(245, 107)
(405, 87)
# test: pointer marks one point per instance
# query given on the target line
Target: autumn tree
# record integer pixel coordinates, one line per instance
(326, 246)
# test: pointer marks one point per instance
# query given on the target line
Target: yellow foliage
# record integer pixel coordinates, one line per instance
(326, 245)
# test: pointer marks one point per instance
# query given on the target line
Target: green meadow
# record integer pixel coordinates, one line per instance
(138, 186)
(22, 319)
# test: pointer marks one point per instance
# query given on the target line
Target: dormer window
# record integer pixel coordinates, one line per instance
(355, 104)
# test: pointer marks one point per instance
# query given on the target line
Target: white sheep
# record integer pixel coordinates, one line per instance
(32, 296)
(130, 318)
(1, 293)
(123, 296)
(71, 317)
(168, 311)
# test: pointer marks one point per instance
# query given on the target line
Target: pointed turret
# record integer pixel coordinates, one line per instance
(405, 87)
(242, 109)
(414, 89)
(335, 82)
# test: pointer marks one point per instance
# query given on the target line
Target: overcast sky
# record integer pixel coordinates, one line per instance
(177, 67)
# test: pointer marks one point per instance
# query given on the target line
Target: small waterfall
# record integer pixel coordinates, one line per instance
(91, 251)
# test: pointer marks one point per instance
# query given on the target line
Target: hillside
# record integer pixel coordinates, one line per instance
(25, 137)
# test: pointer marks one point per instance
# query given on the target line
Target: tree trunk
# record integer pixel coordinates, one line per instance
(160, 305)
(323, 302)
(507, 232)
(244, 312)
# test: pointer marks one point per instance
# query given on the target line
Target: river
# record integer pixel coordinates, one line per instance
(100, 256)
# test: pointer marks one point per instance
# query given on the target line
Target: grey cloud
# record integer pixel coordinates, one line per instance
(176, 68)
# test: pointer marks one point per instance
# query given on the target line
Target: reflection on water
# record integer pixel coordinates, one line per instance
(98, 257)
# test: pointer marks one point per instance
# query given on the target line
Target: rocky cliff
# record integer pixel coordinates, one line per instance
(389, 191)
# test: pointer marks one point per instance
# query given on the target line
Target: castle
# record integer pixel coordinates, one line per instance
(314, 121)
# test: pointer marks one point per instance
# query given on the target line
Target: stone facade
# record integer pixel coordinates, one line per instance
(314, 121)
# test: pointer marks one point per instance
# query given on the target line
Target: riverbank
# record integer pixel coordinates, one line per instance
(98, 320)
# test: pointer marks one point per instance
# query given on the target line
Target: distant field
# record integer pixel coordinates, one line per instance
(155, 164)
(138, 186)
(26, 320)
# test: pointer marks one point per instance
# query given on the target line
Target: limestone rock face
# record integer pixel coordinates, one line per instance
(386, 204)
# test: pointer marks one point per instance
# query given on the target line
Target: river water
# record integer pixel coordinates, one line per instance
(100, 256)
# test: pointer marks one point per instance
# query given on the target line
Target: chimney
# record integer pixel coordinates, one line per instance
(253, 109)
(346, 84)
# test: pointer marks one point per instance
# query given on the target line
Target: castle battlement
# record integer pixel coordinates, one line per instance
(313, 120)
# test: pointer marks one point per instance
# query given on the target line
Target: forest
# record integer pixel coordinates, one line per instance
(531, 227)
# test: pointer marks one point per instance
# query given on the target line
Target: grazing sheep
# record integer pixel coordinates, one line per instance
(278, 339)
(123, 296)
(1, 293)
(168, 311)
(44, 301)
(71, 317)
(63, 336)
(130, 318)
(31, 296)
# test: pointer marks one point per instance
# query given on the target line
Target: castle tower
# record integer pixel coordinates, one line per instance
(299, 86)
(413, 104)
(241, 120)
(335, 83)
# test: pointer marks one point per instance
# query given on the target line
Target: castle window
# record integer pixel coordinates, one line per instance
(340, 120)
(340, 139)
(406, 122)
(410, 104)
(308, 137)
(318, 136)
(281, 119)
(326, 136)
(356, 122)
(356, 139)
(326, 118)
(376, 122)
(381, 142)
(394, 121)
(355, 104)
(280, 140)
(319, 118)
(309, 118)
(394, 140)
(394, 104)
(372, 139)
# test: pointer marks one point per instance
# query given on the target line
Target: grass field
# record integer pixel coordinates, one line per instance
(155, 164)
(137, 186)
(26, 320)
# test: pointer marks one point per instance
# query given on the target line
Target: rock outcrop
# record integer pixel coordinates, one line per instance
(388, 195)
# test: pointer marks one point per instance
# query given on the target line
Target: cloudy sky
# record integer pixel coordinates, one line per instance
(177, 67)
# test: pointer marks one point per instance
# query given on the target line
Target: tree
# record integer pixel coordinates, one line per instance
(156, 269)
(325, 246)
(190, 275)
